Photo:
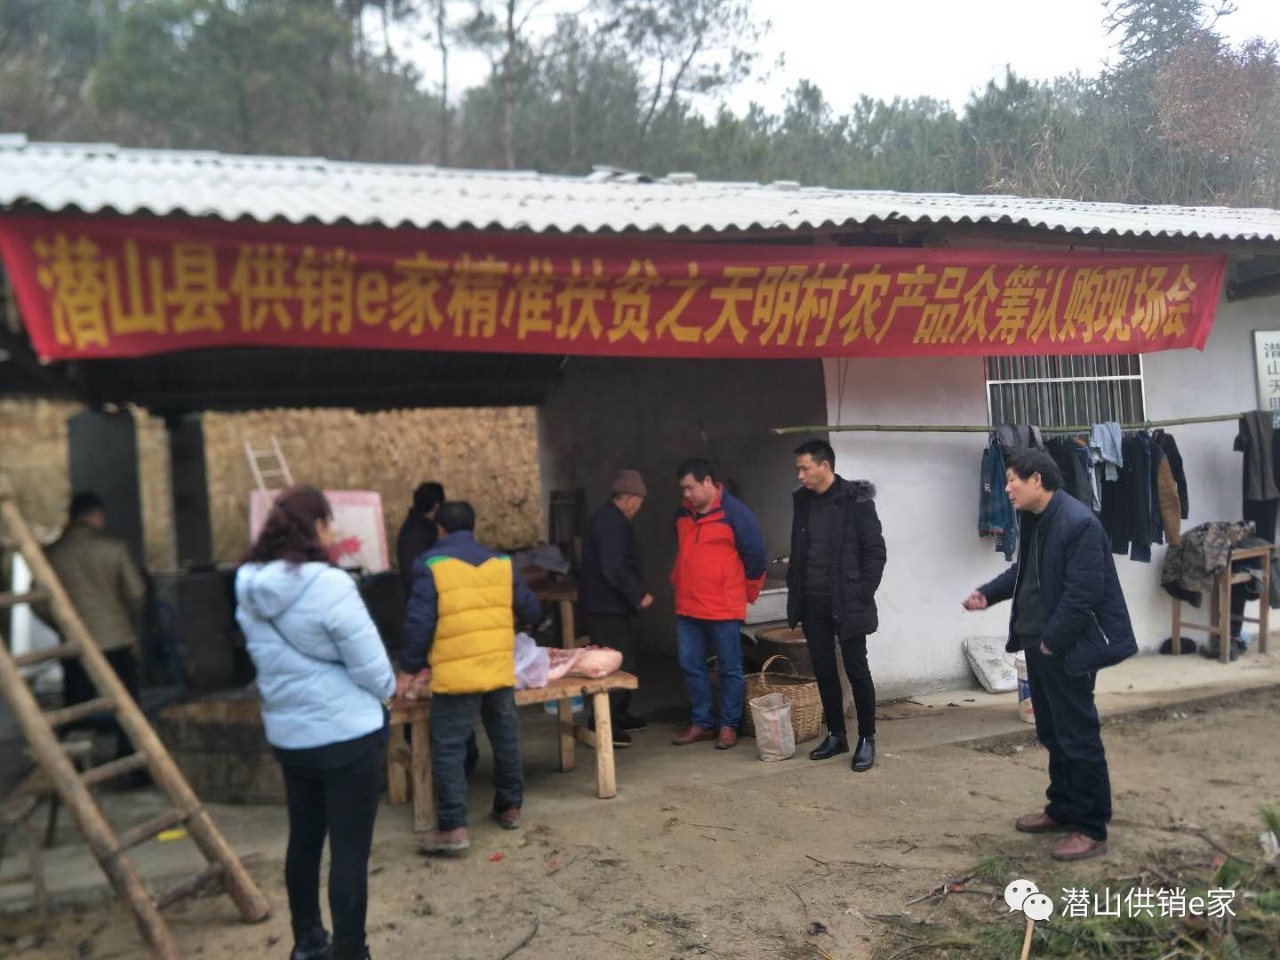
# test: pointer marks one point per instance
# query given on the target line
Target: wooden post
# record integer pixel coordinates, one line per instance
(1222, 586)
(564, 717)
(606, 780)
(1264, 601)
(424, 798)
(568, 639)
(1176, 637)
(397, 772)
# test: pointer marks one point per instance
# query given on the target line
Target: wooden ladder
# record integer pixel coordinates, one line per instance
(268, 466)
(58, 773)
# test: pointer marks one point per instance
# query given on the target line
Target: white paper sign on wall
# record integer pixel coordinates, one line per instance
(359, 536)
(1266, 356)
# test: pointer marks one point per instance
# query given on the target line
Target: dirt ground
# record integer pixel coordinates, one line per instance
(742, 869)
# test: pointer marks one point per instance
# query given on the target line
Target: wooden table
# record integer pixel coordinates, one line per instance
(411, 762)
(565, 593)
(1220, 618)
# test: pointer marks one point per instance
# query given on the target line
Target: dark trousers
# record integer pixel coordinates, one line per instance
(822, 635)
(331, 791)
(1067, 724)
(453, 718)
(619, 633)
(78, 687)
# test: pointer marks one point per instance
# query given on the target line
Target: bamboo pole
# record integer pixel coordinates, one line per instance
(253, 906)
(957, 428)
(106, 848)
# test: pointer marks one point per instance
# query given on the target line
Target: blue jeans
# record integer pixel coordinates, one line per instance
(453, 718)
(697, 640)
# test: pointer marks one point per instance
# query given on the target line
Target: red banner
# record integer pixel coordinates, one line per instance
(126, 288)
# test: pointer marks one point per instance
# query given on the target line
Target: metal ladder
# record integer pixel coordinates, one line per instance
(58, 773)
(268, 465)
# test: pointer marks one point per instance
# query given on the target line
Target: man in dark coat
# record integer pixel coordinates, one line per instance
(1069, 617)
(418, 533)
(107, 589)
(610, 589)
(837, 560)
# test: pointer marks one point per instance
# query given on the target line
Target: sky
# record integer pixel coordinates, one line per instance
(943, 48)
(909, 48)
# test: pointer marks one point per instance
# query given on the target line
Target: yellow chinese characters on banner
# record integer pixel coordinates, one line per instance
(102, 289)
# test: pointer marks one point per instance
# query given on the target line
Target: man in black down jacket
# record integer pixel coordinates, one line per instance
(1070, 618)
(418, 533)
(837, 559)
(610, 590)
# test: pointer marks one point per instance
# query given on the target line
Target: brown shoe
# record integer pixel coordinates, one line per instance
(1038, 823)
(1078, 847)
(728, 738)
(446, 843)
(693, 735)
(508, 819)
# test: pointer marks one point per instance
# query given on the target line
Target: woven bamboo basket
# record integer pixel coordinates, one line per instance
(802, 691)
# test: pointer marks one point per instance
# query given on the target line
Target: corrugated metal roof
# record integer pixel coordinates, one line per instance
(104, 178)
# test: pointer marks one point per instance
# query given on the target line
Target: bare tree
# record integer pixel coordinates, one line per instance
(695, 46)
(499, 28)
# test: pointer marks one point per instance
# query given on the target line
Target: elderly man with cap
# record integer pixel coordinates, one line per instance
(611, 592)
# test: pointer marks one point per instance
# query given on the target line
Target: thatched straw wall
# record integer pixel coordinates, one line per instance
(488, 456)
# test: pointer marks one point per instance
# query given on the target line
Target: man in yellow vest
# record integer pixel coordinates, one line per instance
(460, 632)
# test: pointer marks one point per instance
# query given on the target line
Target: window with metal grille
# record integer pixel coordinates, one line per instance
(1065, 391)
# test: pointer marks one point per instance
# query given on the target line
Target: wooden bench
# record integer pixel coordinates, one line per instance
(410, 763)
(1220, 622)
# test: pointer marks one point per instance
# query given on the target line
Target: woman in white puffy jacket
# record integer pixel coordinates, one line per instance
(323, 674)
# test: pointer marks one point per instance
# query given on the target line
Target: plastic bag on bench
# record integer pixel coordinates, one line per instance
(533, 666)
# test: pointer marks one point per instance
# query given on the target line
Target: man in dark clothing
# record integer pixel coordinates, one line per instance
(837, 560)
(418, 532)
(1069, 617)
(109, 593)
(610, 589)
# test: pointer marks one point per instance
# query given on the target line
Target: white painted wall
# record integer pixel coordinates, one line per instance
(928, 487)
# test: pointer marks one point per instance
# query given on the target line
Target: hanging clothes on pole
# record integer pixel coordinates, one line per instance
(1260, 486)
(996, 516)
(1106, 443)
(1137, 454)
(1075, 472)
(1258, 481)
(1176, 470)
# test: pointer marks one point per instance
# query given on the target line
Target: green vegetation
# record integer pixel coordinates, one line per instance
(1183, 117)
(1155, 917)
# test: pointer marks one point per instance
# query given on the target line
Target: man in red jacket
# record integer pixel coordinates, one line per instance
(719, 569)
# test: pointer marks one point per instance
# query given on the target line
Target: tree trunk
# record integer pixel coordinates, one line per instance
(442, 41)
(509, 89)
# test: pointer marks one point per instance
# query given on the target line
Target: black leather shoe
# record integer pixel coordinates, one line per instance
(314, 946)
(829, 747)
(864, 755)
